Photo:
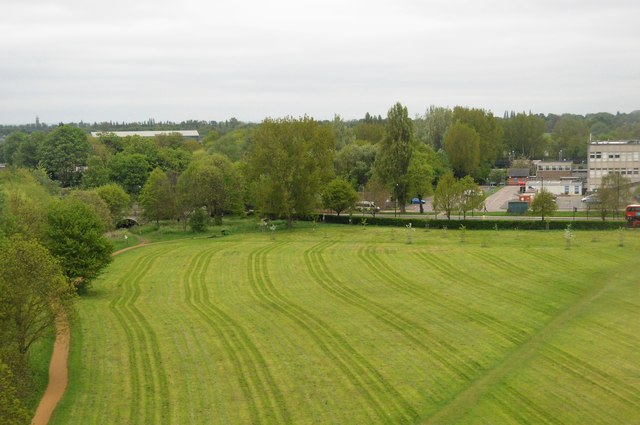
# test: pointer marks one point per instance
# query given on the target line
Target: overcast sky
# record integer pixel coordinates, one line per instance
(73, 60)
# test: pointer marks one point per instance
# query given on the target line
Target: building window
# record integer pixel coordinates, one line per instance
(576, 190)
(566, 190)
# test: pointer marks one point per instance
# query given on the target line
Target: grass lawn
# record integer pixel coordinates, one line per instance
(356, 326)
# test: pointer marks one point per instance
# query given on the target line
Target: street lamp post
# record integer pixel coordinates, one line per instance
(395, 208)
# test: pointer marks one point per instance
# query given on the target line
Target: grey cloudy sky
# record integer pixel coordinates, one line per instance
(72, 60)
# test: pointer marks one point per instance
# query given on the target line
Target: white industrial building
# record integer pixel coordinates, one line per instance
(622, 156)
(561, 186)
(192, 134)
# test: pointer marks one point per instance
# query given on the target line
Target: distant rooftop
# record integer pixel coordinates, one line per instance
(184, 133)
(617, 142)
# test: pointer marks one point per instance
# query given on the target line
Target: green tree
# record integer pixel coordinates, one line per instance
(491, 135)
(74, 235)
(97, 173)
(12, 411)
(369, 131)
(26, 195)
(158, 198)
(130, 171)
(198, 220)
(613, 194)
(524, 135)
(33, 292)
(11, 145)
(62, 151)
(543, 204)
(570, 138)
(24, 214)
(355, 162)
(343, 134)
(420, 173)
(339, 196)
(447, 195)
(432, 127)
(471, 197)
(234, 144)
(26, 154)
(213, 182)
(99, 206)
(289, 161)
(394, 156)
(117, 200)
(171, 159)
(114, 143)
(462, 144)
(169, 140)
(145, 146)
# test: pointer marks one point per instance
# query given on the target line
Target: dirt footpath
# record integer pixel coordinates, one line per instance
(58, 372)
(58, 375)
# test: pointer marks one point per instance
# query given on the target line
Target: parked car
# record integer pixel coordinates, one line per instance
(590, 199)
(418, 201)
(367, 206)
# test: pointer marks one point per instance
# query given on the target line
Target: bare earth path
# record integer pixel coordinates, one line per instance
(58, 372)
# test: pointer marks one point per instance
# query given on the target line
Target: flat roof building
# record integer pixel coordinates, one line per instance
(554, 169)
(621, 156)
(184, 133)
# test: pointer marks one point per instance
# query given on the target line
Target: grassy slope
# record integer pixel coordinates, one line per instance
(39, 357)
(343, 325)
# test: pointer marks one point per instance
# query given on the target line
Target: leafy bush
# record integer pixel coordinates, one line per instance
(198, 221)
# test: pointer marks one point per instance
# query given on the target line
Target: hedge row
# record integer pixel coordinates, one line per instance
(487, 224)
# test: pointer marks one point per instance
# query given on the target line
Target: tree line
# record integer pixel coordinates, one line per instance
(62, 189)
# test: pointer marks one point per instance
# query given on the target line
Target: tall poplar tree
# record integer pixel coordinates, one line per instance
(394, 156)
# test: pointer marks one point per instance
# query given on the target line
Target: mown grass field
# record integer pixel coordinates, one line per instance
(355, 326)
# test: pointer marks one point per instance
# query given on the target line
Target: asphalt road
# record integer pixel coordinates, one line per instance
(497, 202)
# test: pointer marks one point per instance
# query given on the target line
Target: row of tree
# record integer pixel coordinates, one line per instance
(50, 248)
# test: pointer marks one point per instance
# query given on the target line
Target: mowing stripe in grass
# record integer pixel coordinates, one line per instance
(544, 257)
(507, 331)
(463, 402)
(144, 352)
(487, 287)
(386, 401)
(452, 306)
(192, 270)
(613, 336)
(262, 394)
(524, 274)
(517, 405)
(593, 375)
(464, 368)
(277, 405)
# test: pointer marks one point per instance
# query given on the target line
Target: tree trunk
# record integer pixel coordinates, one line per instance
(421, 206)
